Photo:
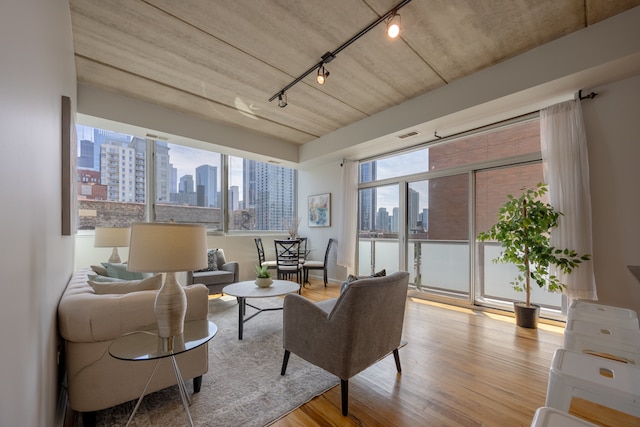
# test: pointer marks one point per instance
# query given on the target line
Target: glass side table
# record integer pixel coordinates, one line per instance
(146, 345)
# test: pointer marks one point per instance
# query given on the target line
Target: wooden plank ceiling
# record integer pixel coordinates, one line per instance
(222, 61)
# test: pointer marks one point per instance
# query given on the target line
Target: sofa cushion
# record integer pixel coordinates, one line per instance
(152, 283)
(212, 261)
(213, 277)
(120, 271)
(99, 269)
(351, 278)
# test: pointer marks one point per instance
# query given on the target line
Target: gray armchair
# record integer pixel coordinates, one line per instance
(348, 334)
(216, 277)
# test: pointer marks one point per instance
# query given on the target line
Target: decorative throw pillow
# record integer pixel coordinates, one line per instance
(120, 271)
(99, 269)
(212, 261)
(351, 278)
(101, 278)
(152, 283)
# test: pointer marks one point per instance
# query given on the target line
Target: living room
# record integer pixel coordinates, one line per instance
(38, 67)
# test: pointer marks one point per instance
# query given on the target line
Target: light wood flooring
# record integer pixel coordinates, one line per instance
(459, 368)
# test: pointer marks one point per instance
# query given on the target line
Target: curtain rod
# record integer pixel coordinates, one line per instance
(587, 96)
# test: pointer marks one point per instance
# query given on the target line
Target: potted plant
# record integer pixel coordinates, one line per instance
(524, 229)
(263, 277)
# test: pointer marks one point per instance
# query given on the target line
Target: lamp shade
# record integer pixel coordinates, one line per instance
(112, 237)
(167, 247)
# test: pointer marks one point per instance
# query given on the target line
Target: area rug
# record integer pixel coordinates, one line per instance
(243, 386)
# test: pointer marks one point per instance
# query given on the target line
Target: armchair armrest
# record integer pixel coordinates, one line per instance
(233, 267)
(301, 316)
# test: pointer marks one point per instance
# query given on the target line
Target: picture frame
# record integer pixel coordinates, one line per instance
(67, 168)
(319, 211)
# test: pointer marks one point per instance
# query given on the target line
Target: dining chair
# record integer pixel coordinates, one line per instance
(271, 265)
(318, 265)
(288, 259)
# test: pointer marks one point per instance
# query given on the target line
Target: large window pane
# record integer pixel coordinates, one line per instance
(187, 183)
(261, 195)
(111, 178)
(395, 166)
(492, 188)
(378, 229)
(438, 251)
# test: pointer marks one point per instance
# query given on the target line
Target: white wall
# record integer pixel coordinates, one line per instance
(36, 69)
(612, 122)
(320, 180)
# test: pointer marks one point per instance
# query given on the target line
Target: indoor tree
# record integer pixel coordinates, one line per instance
(524, 229)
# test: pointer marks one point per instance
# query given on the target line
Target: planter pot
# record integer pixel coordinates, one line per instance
(526, 317)
(263, 282)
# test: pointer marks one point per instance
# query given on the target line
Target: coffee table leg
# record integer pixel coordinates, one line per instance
(241, 310)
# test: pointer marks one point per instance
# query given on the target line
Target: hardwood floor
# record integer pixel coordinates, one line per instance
(459, 368)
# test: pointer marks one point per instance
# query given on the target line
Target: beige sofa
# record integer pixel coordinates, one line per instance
(89, 323)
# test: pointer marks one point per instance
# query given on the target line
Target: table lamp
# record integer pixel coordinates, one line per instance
(112, 237)
(168, 248)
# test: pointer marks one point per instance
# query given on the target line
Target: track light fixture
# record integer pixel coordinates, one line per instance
(322, 75)
(393, 27)
(282, 100)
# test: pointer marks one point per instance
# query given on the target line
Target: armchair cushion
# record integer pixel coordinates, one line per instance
(351, 278)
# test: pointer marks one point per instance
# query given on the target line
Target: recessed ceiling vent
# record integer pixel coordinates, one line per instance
(273, 161)
(408, 135)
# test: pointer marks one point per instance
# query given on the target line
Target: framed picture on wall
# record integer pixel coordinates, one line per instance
(320, 210)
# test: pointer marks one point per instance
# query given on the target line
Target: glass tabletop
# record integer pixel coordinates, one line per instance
(146, 345)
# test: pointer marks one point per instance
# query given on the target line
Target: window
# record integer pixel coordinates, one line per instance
(261, 196)
(187, 185)
(435, 189)
(111, 184)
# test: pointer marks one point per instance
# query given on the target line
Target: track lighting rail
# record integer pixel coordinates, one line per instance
(330, 56)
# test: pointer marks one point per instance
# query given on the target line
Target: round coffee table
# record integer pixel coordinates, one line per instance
(248, 289)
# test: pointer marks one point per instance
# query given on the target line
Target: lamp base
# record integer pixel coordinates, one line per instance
(115, 257)
(170, 307)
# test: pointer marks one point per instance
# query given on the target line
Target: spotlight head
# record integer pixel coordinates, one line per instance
(321, 78)
(282, 100)
(393, 26)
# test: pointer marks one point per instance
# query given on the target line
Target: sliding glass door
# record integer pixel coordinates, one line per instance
(438, 234)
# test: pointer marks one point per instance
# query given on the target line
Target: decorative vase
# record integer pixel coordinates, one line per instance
(263, 282)
(170, 307)
(526, 317)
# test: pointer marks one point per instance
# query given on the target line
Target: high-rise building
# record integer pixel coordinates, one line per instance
(269, 189)
(164, 172)
(117, 170)
(382, 221)
(413, 209)
(186, 184)
(234, 198)
(86, 158)
(207, 179)
(368, 202)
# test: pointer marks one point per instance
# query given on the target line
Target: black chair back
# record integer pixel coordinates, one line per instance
(260, 248)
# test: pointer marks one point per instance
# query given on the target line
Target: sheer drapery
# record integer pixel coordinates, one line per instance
(348, 223)
(565, 166)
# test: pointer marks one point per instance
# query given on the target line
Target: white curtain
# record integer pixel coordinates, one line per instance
(348, 223)
(565, 165)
